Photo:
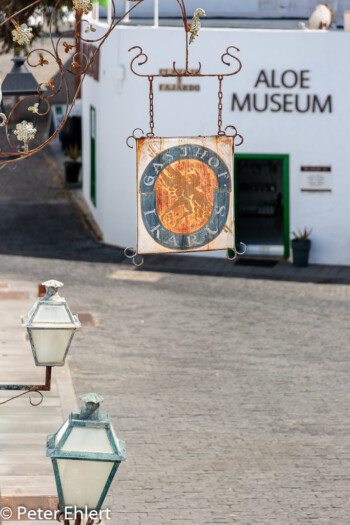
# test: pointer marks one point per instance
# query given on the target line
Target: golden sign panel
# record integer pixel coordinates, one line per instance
(185, 194)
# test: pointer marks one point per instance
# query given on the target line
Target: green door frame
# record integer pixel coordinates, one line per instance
(285, 159)
(93, 155)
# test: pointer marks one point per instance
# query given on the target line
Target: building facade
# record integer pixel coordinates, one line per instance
(290, 102)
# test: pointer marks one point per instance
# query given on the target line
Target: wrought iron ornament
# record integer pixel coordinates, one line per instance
(185, 185)
(20, 135)
(22, 34)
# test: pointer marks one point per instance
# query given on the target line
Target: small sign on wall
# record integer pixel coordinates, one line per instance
(316, 179)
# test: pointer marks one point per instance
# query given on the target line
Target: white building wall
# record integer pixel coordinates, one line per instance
(121, 101)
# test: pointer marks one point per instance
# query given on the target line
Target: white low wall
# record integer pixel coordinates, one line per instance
(239, 9)
(311, 138)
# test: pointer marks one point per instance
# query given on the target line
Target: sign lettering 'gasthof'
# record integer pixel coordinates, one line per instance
(185, 194)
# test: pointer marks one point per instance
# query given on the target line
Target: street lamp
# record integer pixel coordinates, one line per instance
(20, 82)
(85, 454)
(51, 327)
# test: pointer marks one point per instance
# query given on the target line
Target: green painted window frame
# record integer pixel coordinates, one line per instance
(285, 161)
(93, 155)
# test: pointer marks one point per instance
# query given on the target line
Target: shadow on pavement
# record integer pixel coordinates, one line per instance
(38, 220)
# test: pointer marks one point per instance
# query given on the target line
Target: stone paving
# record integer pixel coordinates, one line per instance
(37, 218)
(232, 395)
(24, 469)
(247, 267)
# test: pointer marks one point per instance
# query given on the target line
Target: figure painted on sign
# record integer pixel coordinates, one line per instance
(185, 196)
(175, 187)
(188, 194)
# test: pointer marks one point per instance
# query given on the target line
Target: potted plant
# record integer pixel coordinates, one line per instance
(301, 245)
(72, 166)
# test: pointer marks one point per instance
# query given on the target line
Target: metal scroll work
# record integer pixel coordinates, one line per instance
(185, 184)
(30, 389)
(22, 137)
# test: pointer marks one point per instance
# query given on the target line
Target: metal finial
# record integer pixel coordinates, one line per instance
(92, 398)
(91, 407)
(52, 287)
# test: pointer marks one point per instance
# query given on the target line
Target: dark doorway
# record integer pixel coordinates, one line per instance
(262, 203)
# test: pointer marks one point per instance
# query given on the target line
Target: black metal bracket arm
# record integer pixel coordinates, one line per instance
(28, 389)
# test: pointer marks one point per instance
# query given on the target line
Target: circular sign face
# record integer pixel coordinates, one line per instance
(185, 197)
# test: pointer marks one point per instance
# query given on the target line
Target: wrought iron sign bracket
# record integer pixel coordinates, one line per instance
(191, 31)
(228, 58)
(28, 389)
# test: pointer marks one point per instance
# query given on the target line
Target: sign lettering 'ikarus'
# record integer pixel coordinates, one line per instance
(185, 194)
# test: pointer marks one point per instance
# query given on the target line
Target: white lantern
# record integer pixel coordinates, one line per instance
(51, 327)
(85, 454)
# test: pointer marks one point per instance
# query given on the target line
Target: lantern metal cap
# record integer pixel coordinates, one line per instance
(89, 417)
(91, 406)
(52, 283)
(52, 288)
(92, 398)
(20, 81)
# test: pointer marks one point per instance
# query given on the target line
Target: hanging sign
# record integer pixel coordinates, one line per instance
(185, 194)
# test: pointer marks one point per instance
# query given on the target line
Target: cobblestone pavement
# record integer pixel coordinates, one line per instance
(232, 395)
(37, 218)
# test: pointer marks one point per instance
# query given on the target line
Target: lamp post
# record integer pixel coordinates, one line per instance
(85, 454)
(51, 327)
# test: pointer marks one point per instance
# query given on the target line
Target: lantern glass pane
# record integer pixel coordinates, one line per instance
(88, 440)
(115, 437)
(83, 482)
(50, 345)
(61, 432)
(51, 313)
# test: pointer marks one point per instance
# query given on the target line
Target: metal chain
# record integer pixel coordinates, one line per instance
(151, 107)
(221, 96)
